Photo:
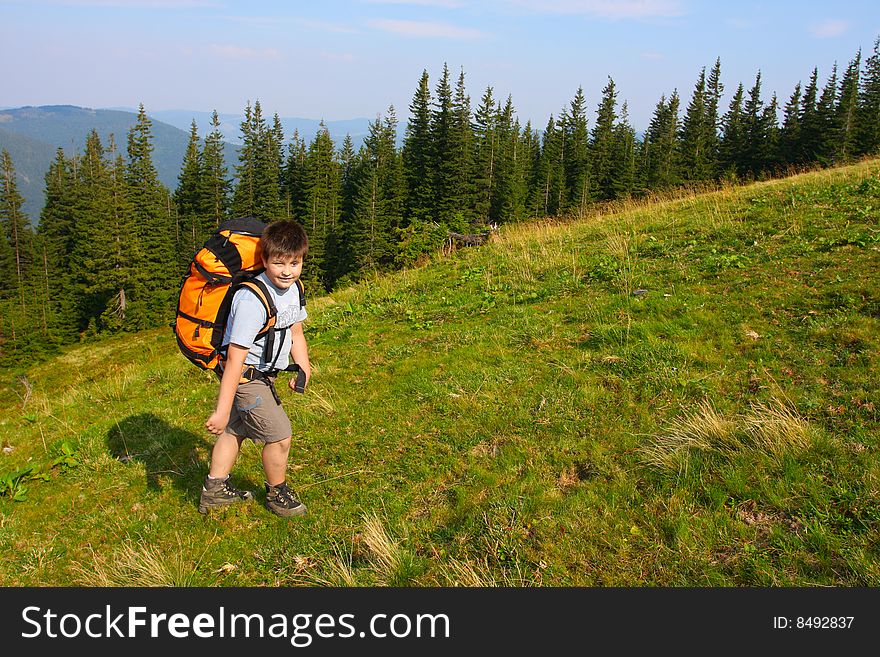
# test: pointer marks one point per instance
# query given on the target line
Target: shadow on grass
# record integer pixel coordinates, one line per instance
(167, 452)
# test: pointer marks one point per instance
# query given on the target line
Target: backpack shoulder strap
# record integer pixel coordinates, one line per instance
(302, 293)
(258, 288)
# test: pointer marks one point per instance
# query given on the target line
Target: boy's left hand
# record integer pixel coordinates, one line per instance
(307, 371)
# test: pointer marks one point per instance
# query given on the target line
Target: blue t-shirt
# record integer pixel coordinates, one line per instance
(247, 316)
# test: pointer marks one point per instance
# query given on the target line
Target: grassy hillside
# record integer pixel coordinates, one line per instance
(677, 393)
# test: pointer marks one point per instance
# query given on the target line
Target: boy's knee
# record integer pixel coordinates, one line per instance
(280, 444)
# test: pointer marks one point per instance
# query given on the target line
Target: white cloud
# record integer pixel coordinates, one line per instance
(618, 9)
(243, 53)
(337, 57)
(448, 4)
(135, 4)
(325, 26)
(419, 29)
(829, 28)
(653, 56)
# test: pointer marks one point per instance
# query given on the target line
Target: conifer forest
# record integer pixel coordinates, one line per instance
(111, 244)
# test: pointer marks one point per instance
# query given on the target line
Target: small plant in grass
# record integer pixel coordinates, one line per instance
(12, 483)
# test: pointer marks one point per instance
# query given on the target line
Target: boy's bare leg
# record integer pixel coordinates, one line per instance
(224, 455)
(279, 498)
(275, 461)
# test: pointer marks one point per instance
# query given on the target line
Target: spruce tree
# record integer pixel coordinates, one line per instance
(216, 185)
(868, 119)
(696, 133)
(827, 120)
(57, 233)
(16, 232)
(442, 159)
(244, 199)
(622, 180)
(790, 134)
(485, 156)
(150, 207)
(378, 205)
(268, 202)
(461, 154)
(661, 168)
(733, 137)
(501, 208)
(576, 153)
(294, 176)
(846, 112)
(548, 189)
(714, 91)
(756, 153)
(602, 144)
(417, 155)
(321, 205)
(811, 137)
(188, 201)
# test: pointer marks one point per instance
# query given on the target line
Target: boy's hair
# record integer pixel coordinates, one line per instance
(284, 238)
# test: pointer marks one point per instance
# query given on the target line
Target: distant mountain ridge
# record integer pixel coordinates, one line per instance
(33, 134)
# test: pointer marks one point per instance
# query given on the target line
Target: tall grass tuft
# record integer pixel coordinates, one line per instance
(138, 565)
(393, 565)
(772, 428)
(703, 430)
(776, 427)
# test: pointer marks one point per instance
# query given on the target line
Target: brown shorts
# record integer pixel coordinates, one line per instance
(256, 415)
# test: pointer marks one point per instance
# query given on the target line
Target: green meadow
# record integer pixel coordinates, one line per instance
(679, 391)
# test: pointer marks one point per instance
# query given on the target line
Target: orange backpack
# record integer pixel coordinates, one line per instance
(229, 260)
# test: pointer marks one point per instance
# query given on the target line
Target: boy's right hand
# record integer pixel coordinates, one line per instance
(216, 424)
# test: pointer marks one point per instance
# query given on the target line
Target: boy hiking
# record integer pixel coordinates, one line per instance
(248, 405)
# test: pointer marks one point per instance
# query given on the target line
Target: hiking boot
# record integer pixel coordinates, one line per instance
(220, 492)
(281, 501)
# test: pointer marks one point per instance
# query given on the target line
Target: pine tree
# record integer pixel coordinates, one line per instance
(348, 171)
(790, 134)
(697, 131)
(501, 208)
(810, 145)
(268, 202)
(461, 154)
(216, 185)
(660, 151)
(622, 180)
(757, 153)
(733, 138)
(485, 156)
(57, 232)
(244, 199)
(442, 160)
(602, 144)
(16, 233)
(868, 117)
(576, 153)
(188, 201)
(827, 119)
(714, 91)
(321, 205)
(548, 188)
(150, 206)
(106, 260)
(378, 199)
(417, 155)
(846, 112)
(294, 173)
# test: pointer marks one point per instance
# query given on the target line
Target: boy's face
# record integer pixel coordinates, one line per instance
(283, 270)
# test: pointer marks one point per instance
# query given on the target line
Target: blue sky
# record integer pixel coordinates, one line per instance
(340, 59)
